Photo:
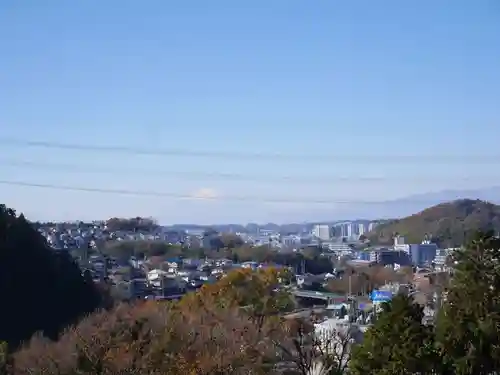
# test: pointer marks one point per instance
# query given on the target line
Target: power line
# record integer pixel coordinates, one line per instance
(243, 198)
(150, 151)
(304, 179)
(465, 159)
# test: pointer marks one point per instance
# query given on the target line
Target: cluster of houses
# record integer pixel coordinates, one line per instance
(169, 279)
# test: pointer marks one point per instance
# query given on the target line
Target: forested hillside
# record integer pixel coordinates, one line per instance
(449, 224)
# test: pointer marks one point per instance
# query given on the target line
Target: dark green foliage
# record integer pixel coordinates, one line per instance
(231, 241)
(136, 224)
(469, 323)
(144, 248)
(450, 224)
(5, 359)
(42, 290)
(398, 342)
(466, 339)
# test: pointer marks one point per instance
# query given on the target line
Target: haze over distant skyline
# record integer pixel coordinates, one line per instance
(405, 93)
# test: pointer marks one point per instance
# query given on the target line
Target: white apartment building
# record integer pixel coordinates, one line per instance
(321, 231)
(349, 230)
(401, 245)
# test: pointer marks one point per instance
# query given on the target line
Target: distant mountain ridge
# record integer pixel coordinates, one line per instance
(490, 194)
(406, 206)
(383, 210)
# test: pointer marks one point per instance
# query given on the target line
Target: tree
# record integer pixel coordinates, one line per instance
(311, 351)
(311, 252)
(156, 338)
(113, 342)
(231, 241)
(135, 224)
(5, 359)
(43, 289)
(258, 292)
(144, 248)
(398, 342)
(247, 253)
(469, 324)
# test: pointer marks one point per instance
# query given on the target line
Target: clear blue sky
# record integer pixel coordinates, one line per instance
(380, 80)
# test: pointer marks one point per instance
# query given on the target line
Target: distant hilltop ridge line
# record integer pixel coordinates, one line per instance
(363, 212)
(449, 224)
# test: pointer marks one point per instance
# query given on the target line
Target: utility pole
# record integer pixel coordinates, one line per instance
(350, 285)
(439, 301)
(162, 286)
(352, 302)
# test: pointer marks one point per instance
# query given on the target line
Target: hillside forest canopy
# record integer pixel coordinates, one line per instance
(448, 224)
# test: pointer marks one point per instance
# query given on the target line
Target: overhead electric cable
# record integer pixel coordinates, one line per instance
(244, 198)
(356, 157)
(197, 175)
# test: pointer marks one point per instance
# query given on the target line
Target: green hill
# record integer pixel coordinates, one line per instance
(449, 224)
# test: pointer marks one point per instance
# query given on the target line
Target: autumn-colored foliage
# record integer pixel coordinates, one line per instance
(211, 331)
(258, 292)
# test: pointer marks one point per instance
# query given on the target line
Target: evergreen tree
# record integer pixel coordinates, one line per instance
(468, 329)
(42, 290)
(5, 359)
(397, 343)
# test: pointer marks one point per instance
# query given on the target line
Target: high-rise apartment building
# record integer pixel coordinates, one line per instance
(321, 231)
(343, 230)
(349, 230)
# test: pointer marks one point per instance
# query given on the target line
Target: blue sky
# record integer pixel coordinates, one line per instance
(387, 82)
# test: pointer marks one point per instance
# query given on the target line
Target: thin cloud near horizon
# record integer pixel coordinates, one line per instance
(205, 194)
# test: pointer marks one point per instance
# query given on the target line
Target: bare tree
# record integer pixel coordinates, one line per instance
(313, 351)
